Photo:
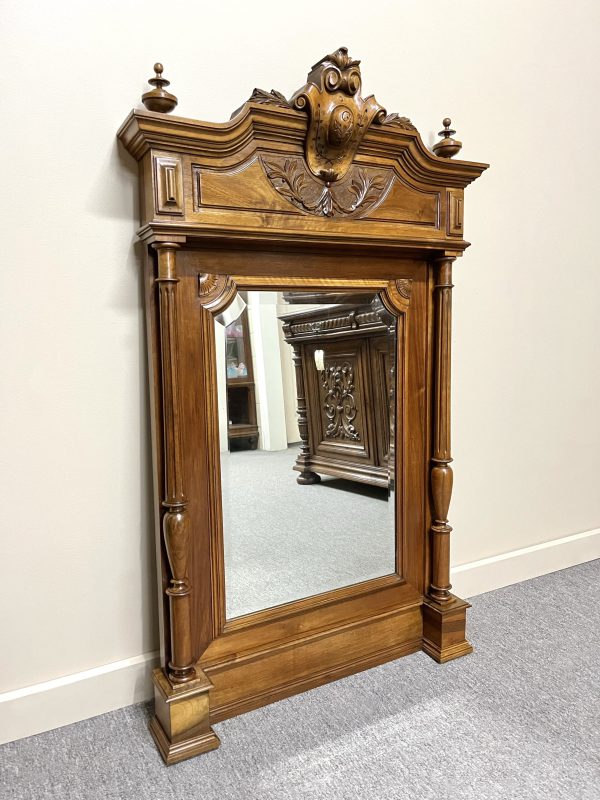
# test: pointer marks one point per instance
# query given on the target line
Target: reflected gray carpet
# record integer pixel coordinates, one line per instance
(517, 720)
(284, 541)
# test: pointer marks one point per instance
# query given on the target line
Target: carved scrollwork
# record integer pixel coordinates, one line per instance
(356, 195)
(340, 404)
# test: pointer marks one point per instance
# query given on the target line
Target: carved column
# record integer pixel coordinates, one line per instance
(303, 461)
(441, 471)
(444, 615)
(175, 521)
(181, 722)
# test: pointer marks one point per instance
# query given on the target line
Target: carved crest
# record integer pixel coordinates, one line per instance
(339, 116)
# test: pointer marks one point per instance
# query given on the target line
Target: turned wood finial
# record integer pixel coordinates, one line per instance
(448, 146)
(158, 99)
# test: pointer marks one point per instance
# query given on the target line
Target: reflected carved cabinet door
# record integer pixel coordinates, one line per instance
(298, 290)
(346, 365)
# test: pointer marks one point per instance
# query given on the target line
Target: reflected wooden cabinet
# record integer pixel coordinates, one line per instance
(241, 394)
(346, 357)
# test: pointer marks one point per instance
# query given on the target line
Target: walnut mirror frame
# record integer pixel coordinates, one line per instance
(324, 192)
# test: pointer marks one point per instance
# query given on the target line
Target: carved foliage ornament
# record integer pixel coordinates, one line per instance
(272, 98)
(340, 404)
(399, 122)
(355, 195)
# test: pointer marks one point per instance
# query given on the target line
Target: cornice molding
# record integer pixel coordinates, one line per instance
(265, 126)
(195, 235)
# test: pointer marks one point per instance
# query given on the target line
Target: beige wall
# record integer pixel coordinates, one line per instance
(521, 82)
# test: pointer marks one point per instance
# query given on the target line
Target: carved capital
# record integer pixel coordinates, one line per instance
(167, 269)
(339, 116)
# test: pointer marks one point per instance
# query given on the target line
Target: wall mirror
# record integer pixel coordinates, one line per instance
(305, 513)
(298, 271)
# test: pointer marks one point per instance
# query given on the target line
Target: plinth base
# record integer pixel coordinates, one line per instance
(444, 629)
(181, 726)
(172, 752)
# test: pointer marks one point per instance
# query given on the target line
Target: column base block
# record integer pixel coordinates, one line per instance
(444, 629)
(181, 726)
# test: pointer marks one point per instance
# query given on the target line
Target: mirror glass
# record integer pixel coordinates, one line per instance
(306, 422)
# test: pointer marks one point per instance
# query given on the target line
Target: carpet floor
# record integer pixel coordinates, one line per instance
(518, 719)
(284, 541)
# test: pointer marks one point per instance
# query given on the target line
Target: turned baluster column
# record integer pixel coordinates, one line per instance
(303, 461)
(175, 520)
(441, 471)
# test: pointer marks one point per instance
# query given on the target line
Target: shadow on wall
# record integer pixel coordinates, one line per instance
(114, 195)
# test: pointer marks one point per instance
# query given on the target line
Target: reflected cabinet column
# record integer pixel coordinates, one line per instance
(307, 476)
(444, 615)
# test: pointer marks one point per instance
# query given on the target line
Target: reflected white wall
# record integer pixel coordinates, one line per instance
(288, 377)
(221, 386)
(270, 401)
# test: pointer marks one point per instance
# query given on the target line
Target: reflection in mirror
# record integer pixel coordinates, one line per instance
(306, 420)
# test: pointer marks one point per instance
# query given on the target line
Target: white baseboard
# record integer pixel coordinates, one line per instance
(34, 709)
(52, 704)
(492, 573)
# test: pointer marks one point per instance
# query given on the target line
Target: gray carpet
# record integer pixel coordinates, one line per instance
(516, 720)
(284, 541)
